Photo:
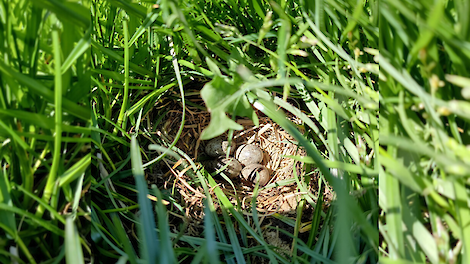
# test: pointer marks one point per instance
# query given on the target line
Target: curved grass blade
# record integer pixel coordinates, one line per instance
(73, 249)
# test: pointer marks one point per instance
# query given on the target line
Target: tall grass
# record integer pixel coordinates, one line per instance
(44, 120)
(391, 141)
(424, 133)
(248, 51)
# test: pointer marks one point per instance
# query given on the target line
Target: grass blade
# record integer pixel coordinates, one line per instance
(150, 245)
(72, 243)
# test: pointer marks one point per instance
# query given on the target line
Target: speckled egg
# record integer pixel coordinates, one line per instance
(233, 166)
(218, 147)
(249, 173)
(249, 154)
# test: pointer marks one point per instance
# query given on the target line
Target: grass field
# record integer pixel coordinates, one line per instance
(104, 106)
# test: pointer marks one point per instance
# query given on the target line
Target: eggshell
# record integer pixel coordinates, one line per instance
(232, 170)
(250, 174)
(249, 154)
(218, 147)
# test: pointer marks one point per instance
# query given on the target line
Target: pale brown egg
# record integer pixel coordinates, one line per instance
(256, 172)
(249, 154)
(233, 167)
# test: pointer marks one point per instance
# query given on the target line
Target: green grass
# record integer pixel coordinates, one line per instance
(45, 132)
(82, 98)
(424, 132)
(242, 55)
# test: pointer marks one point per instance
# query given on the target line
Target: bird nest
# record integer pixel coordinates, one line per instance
(179, 179)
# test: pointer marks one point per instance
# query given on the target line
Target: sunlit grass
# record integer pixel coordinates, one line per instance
(391, 142)
(291, 49)
(423, 133)
(44, 120)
